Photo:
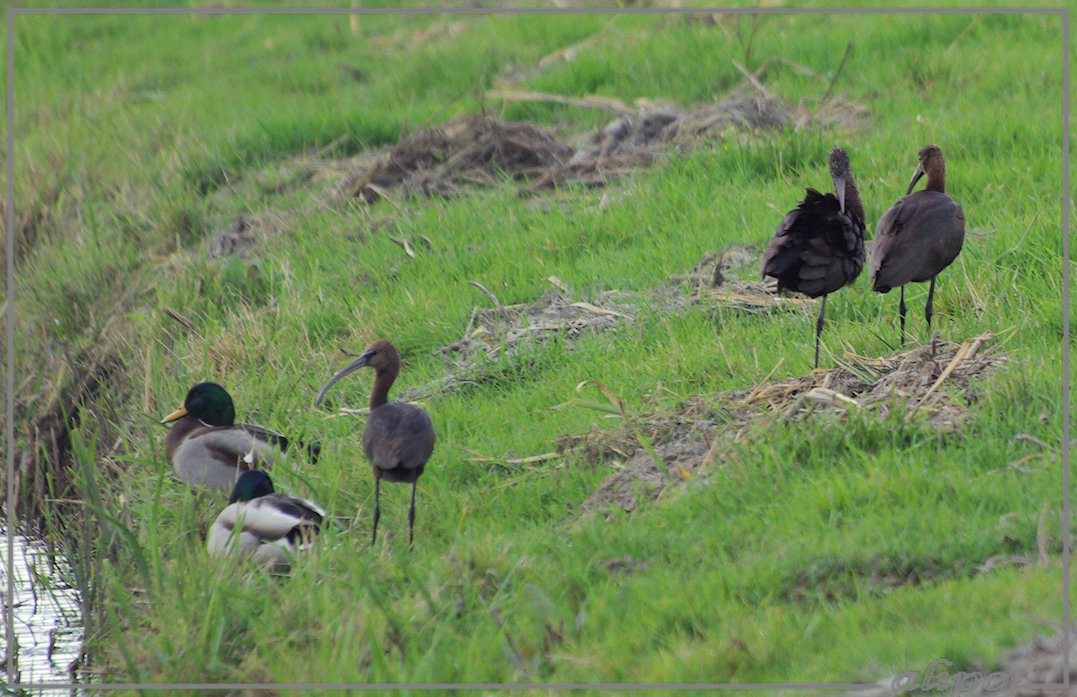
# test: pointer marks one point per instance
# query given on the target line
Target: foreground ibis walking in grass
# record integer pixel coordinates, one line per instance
(819, 246)
(268, 526)
(207, 448)
(398, 437)
(918, 236)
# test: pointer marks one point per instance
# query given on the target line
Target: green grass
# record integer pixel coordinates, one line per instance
(829, 550)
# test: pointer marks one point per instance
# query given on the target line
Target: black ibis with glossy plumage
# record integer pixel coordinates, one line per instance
(819, 246)
(399, 437)
(918, 236)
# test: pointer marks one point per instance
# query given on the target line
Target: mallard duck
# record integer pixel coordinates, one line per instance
(207, 448)
(398, 437)
(266, 525)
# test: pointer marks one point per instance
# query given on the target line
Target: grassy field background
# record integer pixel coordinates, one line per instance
(834, 548)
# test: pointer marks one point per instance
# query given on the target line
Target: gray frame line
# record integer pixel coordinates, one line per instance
(676, 686)
(530, 11)
(9, 383)
(453, 686)
(10, 336)
(1066, 349)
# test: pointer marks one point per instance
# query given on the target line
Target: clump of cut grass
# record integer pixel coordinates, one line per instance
(688, 442)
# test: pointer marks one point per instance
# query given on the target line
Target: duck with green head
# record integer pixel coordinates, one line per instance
(266, 525)
(207, 448)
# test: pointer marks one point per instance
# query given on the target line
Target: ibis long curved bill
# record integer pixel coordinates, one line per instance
(361, 362)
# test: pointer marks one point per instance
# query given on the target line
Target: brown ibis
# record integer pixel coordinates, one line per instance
(918, 236)
(399, 437)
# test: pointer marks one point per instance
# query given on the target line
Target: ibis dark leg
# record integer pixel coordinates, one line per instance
(929, 310)
(819, 328)
(411, 512)
(377, 508)
(901, 313)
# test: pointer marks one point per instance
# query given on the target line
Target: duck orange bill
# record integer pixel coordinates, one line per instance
(178, 414)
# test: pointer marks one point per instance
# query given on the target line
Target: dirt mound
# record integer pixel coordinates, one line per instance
(939, 386)
(1033, 669)
(910, 380)
(509, 329)
(505, 327)
(484, 150)
(474, 149)
(685, 444)
(628, 144)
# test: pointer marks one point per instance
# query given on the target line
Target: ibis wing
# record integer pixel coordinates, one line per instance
(816, 249)
(398, 434)
(916, 238)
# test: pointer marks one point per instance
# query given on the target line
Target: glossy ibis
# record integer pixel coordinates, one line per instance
(266, 525)
(398, 437)
(918, 236)
(819, 246)
(207, 448)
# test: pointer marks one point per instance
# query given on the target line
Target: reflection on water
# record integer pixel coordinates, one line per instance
(46, 614)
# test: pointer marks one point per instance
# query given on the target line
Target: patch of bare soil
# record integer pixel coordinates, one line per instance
(504, 328)
(484, 150)
(245, 234)
(1032, 669)
(470, 150)
(1039, 662)
(939, 385)
(630, 143)
(685, 444)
